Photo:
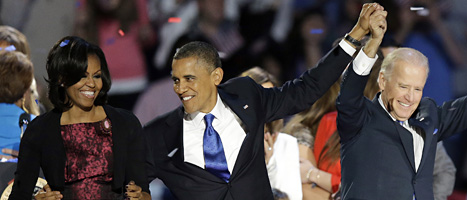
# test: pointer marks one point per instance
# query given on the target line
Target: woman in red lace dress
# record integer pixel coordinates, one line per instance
(86, 149)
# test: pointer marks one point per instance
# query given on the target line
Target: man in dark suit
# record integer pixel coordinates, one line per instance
(234, 114)
(388, 145)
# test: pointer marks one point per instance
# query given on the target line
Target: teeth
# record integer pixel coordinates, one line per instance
(403, 104)
(187, 98)
(88, 93)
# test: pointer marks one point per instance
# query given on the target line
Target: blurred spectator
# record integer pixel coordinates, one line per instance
(280, 149)
(169, 32)
(213, 26)
(156, 100)
(13, 40)
(304, 126)
(444, 174)
(309, 40)
(262, 19)
(17, 72)
(121, 28)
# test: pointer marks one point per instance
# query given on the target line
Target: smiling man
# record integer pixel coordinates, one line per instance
(213, 146)
(389, 144)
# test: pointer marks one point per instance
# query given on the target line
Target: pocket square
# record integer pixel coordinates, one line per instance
(436, 131)
(172, 153)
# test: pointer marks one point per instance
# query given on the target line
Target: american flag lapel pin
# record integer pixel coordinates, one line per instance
(245, 107)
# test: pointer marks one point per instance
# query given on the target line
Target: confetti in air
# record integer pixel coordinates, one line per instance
(316, 31)
(175, 20)
(416, 8)
(121, 33)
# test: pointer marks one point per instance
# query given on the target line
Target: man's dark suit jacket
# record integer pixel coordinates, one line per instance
(42, 146)
(255, 106)
(377, 153)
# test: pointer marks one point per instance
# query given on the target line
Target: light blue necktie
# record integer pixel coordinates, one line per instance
(214, 156)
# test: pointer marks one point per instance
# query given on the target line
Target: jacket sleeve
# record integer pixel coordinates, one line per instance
(350, 105)
(299, 94)
(27, 170)
(452, 117)
(136, 167)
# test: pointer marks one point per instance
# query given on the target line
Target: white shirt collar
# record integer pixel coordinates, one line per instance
(380, 100)
(197, 117)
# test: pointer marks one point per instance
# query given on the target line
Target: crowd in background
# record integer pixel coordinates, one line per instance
(283, 37)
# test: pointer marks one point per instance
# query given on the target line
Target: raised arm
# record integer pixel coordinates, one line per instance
(299, 94)
(350, 103)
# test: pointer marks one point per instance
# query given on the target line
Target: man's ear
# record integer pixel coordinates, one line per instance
(217, 75)
(381, 81)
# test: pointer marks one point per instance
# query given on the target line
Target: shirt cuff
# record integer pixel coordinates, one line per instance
(347, 48)
(362, 64)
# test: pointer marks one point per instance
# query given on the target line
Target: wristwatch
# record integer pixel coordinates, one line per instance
(352, 40)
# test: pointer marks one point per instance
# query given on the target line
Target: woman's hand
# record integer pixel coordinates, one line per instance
(47, 194)
(134, 191)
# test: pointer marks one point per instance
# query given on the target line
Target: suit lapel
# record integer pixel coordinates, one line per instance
(173, 136)
(422, 122)
(245, 112)
(407, 142)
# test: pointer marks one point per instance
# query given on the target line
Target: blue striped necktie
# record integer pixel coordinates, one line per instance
(214, 156)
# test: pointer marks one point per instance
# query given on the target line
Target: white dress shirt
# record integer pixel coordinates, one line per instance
(227, 125)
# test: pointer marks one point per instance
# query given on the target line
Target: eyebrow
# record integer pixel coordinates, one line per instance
(94, 72)
(189, 76)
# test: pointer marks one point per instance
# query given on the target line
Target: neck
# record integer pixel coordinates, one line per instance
(78, 115)
(19, 103)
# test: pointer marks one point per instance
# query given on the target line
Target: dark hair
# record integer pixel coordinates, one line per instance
(13, 37)
(16, 74)
(200, 50)
(67, 62)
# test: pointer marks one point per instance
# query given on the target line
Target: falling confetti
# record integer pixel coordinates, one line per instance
(316, 31)
(121, 33)
(175, 20)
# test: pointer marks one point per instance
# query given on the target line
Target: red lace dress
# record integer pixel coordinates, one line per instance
(89, 161)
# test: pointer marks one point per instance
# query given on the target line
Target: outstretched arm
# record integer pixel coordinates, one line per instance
(350, 103)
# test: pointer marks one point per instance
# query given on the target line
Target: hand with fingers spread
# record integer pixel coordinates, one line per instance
(134, 191)
(47, 194)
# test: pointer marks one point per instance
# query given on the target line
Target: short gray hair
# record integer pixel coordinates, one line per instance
(407, 55)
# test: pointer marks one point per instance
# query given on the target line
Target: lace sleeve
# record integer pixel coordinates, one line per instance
(303, 135)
